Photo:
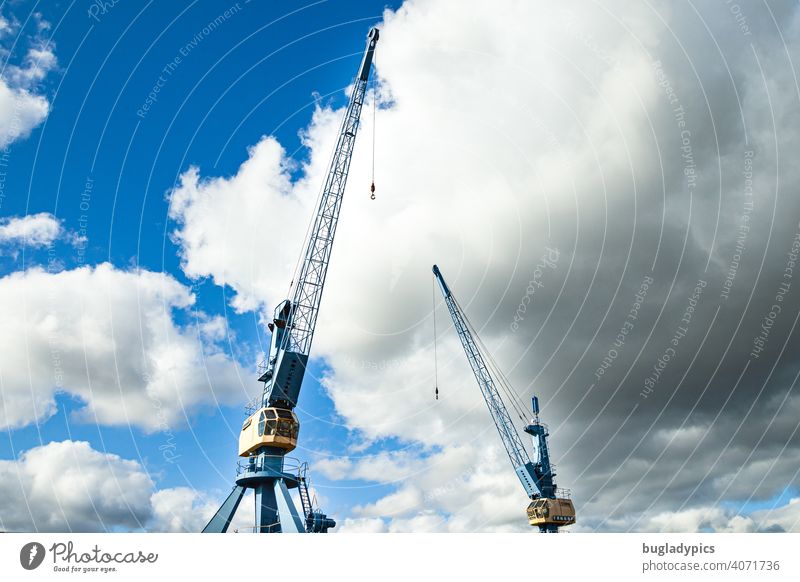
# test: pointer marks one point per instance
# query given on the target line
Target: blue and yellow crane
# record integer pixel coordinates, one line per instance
(550, 508)
(271, 428)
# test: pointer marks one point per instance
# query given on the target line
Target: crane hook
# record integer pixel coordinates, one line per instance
(437, 393)
(372, 191)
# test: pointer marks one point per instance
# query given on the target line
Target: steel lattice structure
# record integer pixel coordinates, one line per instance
(311, 279)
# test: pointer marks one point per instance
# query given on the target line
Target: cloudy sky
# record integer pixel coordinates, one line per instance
(610, 190)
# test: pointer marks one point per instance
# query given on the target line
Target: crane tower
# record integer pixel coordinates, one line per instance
(271, 428)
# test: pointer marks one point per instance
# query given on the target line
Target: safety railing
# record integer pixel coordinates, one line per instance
(564, 493)
(542, 424)
(253, 405)
(269, 462)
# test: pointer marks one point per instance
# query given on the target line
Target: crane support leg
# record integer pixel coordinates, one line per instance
(275, 510)
(267, 519)
(290, 520)
(222, 519)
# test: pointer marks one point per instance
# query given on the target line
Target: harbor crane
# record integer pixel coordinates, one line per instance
(550, 508)
(271, 428)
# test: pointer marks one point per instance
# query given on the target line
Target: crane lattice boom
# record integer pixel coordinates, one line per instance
(296, 318)
(502, 420)
(308, 292)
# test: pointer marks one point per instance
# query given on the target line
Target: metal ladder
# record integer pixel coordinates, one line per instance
(305, 498)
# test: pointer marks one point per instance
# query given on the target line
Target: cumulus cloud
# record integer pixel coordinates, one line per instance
(221, 217)
(780, 518)
(69, 486)
(36, 230)
(6, 27)
(642, 142)
(20, 112)
(110, 339)
(181, 509)
(22, 107)
(776, 519)
(386, 467)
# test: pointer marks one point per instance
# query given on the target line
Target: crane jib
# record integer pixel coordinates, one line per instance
(289, 352)
(366, 63)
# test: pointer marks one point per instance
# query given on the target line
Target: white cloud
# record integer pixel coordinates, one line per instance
(781, 518)
(22, 108)
(698, 520)
(463, 488)
(20, 112)
(371, 525)
(36, 230)
(39, 61)
(69, 486)
(384, 467)
(181, 509)
(406, 500)
(107, 338)
(222, 217)
(496, 145)
(6, 27)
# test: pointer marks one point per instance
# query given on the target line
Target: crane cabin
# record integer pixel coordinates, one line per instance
(557, 512)
(269, 427)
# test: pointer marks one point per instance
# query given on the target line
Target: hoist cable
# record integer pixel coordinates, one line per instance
(435, 354)
(374, 115)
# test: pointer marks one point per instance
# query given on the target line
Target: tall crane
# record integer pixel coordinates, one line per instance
(271, 428)
(550, 507)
